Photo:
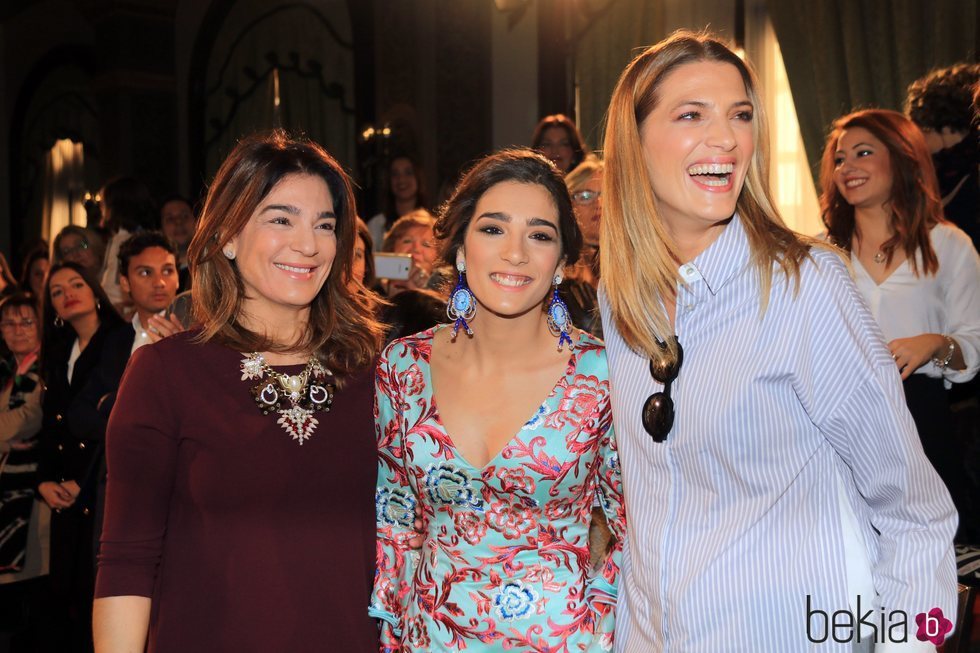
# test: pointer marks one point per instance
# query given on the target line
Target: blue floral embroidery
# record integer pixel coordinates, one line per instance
(613, 461)
(514, 601)
(538, 418)
(449, 485)
(394, 506)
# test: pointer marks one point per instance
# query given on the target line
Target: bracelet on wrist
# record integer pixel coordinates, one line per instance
(942, 361)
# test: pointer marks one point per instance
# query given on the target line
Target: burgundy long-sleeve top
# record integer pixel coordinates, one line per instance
(244, 539)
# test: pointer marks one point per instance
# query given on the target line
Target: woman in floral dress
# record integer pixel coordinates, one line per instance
(506, 465)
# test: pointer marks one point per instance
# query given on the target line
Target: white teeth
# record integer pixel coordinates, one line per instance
(290, 268)
(711, 169)
(714, 182)
(853, 183)
(507, 280)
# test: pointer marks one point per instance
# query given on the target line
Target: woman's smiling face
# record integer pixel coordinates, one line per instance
(285, 251)
(512, 248)
(698, 143)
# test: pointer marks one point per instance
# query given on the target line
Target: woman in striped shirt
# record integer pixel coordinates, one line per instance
(773, 476)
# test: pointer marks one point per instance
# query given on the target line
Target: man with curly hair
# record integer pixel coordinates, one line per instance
(944, 105)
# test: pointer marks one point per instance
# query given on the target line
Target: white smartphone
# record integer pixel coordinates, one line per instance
(392, 266)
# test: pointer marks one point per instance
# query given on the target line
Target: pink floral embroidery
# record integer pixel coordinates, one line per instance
(470, 527)
(515, 478)
(411, 381)
(579, 401)
(558, 508)
(505, 562)
(511, 520)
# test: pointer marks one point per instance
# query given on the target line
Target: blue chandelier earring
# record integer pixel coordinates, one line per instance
(559, 321)
(462, 302)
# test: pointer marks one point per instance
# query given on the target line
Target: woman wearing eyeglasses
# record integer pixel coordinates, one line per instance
(79, 245)
(772, 471)
(24, 520)
(582, 279)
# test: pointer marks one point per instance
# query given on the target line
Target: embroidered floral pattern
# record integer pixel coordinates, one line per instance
(394, 506)
(538, 419)
(410, 381)
(447, 484)
(470, 526)
(505, 563)
(515, 478)
(579, 401)
(514, 601)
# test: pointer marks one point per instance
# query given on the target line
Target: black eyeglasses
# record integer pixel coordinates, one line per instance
(658, 410)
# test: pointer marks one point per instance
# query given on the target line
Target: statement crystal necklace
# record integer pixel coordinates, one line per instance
(295, 397)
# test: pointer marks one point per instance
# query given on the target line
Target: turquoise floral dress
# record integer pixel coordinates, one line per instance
(505, 561)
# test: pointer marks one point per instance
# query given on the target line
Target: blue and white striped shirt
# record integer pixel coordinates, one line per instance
(792, 449)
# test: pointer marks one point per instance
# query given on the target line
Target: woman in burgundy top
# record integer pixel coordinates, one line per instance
(241, 457)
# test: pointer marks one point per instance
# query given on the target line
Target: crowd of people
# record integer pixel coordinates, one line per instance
(598, 401)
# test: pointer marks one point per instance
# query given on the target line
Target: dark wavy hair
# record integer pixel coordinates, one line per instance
(135, 244)
(945, 98)
(560, 120)
(342, 331)
(56, 337)
(520, 165)
(914, 201)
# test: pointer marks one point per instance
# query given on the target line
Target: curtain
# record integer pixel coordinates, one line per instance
(847, 54)
(608, 33)
(63, 187)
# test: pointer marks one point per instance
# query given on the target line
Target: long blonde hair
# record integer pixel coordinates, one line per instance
(638, 258)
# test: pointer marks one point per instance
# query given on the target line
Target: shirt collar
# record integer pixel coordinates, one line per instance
(722, 260)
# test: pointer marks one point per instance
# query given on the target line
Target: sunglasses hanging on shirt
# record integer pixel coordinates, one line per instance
(658, 409)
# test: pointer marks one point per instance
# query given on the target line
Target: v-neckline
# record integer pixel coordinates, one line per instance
(883, 281)
(437, 418)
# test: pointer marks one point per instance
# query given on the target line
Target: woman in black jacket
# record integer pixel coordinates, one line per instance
(77, 317)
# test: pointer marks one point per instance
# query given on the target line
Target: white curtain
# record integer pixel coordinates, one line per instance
(63, 188)
(790, 177)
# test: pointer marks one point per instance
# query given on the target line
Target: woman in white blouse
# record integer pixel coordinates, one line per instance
(919, 273)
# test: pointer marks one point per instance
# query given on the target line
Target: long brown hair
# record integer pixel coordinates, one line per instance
(57, 336)
(561, 121)
(638, 258)
(914, 202)
(342, 331)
